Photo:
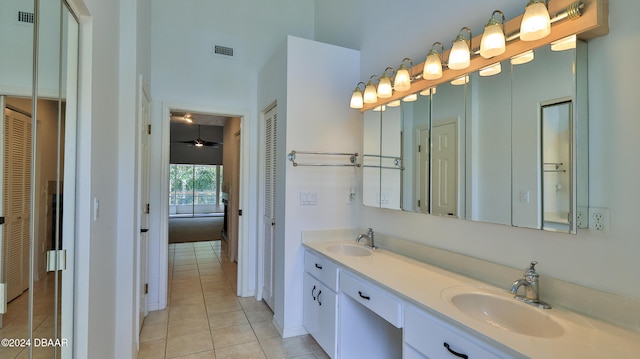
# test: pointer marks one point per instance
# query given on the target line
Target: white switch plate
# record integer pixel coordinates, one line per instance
(524, 196)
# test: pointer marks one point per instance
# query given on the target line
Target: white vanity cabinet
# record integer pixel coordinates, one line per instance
(426, 336)
(320, 302)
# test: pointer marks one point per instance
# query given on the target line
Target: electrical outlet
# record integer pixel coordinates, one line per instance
(599, 220)
(582, 220)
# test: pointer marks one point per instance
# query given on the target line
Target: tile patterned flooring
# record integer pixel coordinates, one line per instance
(205, 318)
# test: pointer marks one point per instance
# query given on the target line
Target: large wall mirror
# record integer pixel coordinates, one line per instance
(510, 148)
(38, 97)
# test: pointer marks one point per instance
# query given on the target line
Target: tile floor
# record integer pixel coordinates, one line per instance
(205, 318)
(15, 321)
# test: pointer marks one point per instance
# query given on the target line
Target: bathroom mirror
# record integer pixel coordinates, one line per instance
(382, 158)
(489, 143)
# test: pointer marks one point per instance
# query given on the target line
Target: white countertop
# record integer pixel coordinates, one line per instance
(423, 285)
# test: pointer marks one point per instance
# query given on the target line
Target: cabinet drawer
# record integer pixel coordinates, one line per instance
(322, 268)
(428, 335)
(372, 297)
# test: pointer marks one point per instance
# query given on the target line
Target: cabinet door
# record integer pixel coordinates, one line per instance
(320, 308)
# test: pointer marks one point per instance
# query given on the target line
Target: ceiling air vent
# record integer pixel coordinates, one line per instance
(223, 50)
(25, 17)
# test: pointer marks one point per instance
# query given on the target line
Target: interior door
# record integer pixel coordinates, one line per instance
(423, 170)
(269, 218)
(445, 169)
(144, 115)
(17, 201)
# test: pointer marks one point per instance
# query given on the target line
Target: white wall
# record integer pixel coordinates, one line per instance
(587, 258)
(314, 120)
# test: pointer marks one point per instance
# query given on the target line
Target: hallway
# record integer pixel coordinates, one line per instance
(205, 318)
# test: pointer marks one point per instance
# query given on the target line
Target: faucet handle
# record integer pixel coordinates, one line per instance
(530, 272)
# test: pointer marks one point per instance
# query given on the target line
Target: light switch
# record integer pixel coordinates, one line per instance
(524, 196)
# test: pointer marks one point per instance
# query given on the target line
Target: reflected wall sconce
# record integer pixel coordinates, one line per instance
(522, 58)
(490, 70)
(536, 22)
(410, 98)
(395, 103)
(494, 41)
(402, 81)
(384, 86)
(187, 118)
(380, 108)
(428, 91)
(566, 43)
(357, 96)
(460, 80)
(433, 64)
(370, 92)
(460, 55)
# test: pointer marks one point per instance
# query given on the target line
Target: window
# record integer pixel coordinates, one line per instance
(194, 190)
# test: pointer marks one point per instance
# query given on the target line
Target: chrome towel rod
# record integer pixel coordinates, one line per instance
(353, 159)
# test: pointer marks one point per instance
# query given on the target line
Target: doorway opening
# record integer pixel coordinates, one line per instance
(204, 181)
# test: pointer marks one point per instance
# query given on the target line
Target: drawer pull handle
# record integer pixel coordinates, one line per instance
(319, 292)
(364, 296)
(318, 266)
(459, 355)
(312, 294)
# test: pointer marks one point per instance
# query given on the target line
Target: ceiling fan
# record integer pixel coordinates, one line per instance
(199, 142)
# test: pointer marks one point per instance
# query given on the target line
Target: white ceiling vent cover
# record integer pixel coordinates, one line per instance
(223, 51)
(25, 18)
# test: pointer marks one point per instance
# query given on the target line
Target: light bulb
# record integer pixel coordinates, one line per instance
(384, 87)
(459, 57)
(403, 80)
(432, 67)
(356, 99)
(493, 42)
(536, 23)
(370, 93)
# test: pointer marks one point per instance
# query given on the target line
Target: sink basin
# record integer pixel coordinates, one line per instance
(351, 250)
(506, 313)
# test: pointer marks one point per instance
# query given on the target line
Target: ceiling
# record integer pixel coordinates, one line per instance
(199, 118)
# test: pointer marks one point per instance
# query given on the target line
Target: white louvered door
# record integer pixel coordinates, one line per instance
(269, 218)
(16, 202)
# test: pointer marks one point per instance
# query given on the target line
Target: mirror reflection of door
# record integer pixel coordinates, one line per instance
(556, 164)
(444, 154)
(38, 134)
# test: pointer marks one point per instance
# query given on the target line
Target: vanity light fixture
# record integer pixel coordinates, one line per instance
(522, 58)
(370, 91)
(395, 103)
(493, 41)
(460, 55)
(433, 64)
(187, 117)
(536, 22)
(566, 43)
(460, 80)
(410, 98)
(402, 81)
(384, 86)
(380, 108)
(491, 70)
(356, 96)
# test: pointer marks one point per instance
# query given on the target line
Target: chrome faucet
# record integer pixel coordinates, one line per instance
(369, 237)
(531, 288)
